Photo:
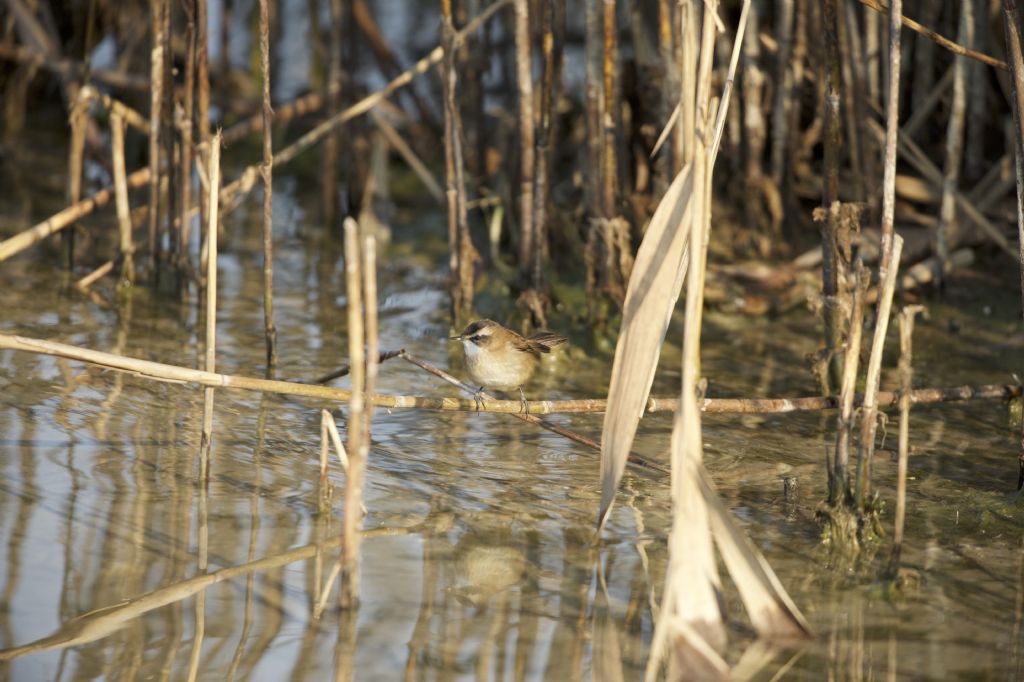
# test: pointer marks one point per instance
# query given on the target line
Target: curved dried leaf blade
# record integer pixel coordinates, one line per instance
(650, 297)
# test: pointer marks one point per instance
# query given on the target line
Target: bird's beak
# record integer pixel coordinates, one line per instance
(456, 338)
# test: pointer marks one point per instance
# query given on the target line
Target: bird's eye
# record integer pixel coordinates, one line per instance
(475, 338)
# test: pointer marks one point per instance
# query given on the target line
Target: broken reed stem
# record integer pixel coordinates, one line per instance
(267, 173)
(156, 371)
(339, 447)
(906, 372)
(1016, 57)
(352, 523)
(156, 79)
(838, 489)
(213, 173)
(869, 411)
(202, 89)
(124, 217)
(527, 143)
(325, 417)
(892, 124)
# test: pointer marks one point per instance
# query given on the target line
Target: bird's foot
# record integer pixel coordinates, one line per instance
(478, 399)
(524, 405)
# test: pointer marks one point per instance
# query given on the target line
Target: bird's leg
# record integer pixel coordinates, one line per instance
(525, 405)
(478, 398)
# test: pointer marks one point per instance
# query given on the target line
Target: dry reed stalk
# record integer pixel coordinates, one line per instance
(213, 173)
(832, 270)
(352, 523)
(593, 85)
(838, 486)
(102, 271)
(185, 375)
(938, 39)
(202, 89)
(203, 543)
(66, 217)
(869, 410)
(132, 117)
(325, 417)
(267, 173)
(1016, 57)
(124, 218)
(892, 124)
(754, 125)
(76, 160)
(462, 255)
(610, 113)
(550, 77)
(906, 372)
(417, 166)
(369, 262)
(332, 94)
(527, 144)
(185, 127)
(855, 106)
(783, 101)
(157, 8)
(339, 447)
(946, 231)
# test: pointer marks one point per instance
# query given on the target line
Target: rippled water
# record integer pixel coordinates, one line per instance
(477, 561)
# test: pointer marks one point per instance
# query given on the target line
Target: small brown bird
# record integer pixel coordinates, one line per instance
(499, 359)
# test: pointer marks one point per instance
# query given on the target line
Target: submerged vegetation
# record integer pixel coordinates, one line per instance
(599, 158)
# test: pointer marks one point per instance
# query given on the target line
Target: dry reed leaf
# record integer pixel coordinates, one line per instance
(650, 297)
(771, 611)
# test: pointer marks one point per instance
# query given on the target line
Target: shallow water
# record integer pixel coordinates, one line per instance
(476, 563)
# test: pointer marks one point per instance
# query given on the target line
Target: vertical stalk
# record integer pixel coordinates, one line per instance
(838, 488)
(185, 128)
(203, 91)
(1015, 55)
(831, 266)
(892, 123)
(527, 151)
(548, 101)
(211, 302)
(946, 230)
(156, 74)
(670, 97)
(349, 592)
(267, 173)
(783, 103)
(594, 107)
(906, 371)
(461, 253)
(610, 163)
(753, 124)
(869, 409)
(124, 218)
(329, 179)
(76, 159)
